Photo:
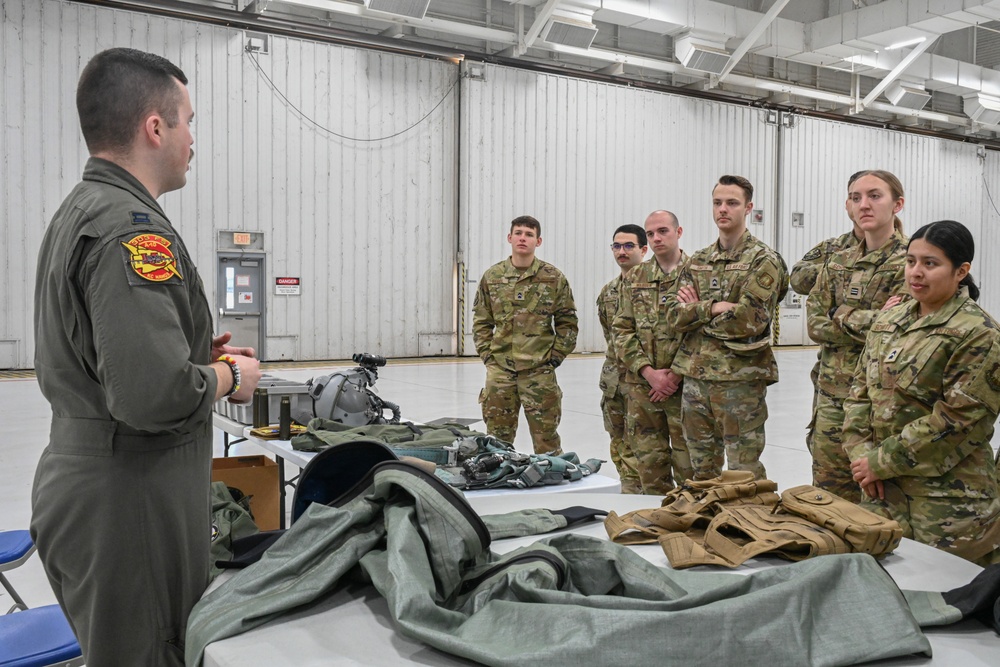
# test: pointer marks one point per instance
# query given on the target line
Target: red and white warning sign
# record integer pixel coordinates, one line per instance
(288, 286)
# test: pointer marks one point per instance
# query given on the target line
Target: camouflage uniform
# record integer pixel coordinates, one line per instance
(726, 360)
(524, 323)
(802, 279)
(643, 338)
(806, 270)
(922, 408)
(612, 385)
(848, 296)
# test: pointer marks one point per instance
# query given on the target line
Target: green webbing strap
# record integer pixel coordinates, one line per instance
(435, 455)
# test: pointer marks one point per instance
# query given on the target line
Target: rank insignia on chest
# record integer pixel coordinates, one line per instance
(519, 296)
(892, 355)
(854, 291)
(714, 283)
(663, 299)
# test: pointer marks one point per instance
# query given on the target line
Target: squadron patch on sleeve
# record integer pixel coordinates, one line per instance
(993, 377)
(149, 259)
(765, 280)
(815, 253)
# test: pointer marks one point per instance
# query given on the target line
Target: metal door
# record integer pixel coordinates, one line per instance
(241, 300)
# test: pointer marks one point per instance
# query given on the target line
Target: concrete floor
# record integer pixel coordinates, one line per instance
(425, 390)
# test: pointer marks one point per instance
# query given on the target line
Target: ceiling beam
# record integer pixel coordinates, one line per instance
(752, 37)
(439, 25)
(917, 51)
(541, 17)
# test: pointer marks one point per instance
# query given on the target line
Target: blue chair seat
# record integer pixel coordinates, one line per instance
(37, 637)
(14, 544)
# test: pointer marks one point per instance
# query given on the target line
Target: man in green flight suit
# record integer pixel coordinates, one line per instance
(628, 246)
(126, 358)
(524, 324)
(724, 304)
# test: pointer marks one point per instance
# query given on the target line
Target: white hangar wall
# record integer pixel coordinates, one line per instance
(383, 232)
(367, 222)
(986, 266)
(941, 179)
(585, 157)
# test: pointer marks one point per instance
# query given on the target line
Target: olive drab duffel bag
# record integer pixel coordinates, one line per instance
(693, 504)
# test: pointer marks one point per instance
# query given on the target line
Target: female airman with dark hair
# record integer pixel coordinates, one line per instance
(926, 394)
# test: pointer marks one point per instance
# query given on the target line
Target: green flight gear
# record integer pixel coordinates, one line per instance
(562, 600)
(464, 458)
(231, 520)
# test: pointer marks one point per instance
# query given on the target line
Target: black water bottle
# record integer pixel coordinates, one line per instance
(265, 407)
(260, 410)
(285, 422)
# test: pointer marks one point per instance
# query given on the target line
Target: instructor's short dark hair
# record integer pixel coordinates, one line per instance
(118, 88)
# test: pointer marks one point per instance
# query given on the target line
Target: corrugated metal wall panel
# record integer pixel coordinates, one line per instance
(986, 268)
(369, 226)
(941, 179)
(584, 157)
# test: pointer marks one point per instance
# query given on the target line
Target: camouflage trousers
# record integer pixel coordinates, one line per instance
(537, 390)
(653, 432)
(613, 409)
(831, 467)
(811, 428)
(965, 527)
(724, 417)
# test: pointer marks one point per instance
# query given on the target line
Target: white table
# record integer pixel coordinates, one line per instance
(353, 626)
(229, 428)
(284, 451)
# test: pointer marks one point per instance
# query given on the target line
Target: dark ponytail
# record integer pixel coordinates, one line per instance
(955, 240)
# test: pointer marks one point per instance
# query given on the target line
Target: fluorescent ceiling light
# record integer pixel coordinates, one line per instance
(909, 42)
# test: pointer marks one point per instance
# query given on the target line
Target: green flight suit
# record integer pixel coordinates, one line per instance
(848, 296)
(925, 397)
(120, 504)
(644, 338)
(726, 360)
(613, 388)
(524, 324)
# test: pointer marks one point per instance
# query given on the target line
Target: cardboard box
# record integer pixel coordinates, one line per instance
(257, 477)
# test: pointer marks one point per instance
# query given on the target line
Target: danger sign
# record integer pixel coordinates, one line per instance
(288, 286)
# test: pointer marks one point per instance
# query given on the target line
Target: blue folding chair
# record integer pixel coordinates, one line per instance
(39, 637)
(15, 548)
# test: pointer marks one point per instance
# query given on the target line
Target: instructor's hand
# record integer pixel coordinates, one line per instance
(249, 378)
(220, 347)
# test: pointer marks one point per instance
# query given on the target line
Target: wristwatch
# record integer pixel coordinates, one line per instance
(235, 368)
